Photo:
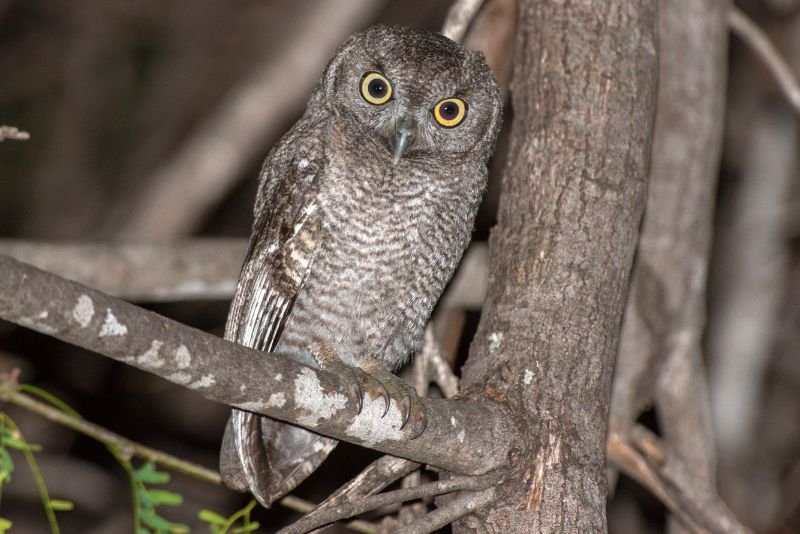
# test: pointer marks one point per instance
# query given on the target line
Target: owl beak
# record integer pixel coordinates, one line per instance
(405, 131)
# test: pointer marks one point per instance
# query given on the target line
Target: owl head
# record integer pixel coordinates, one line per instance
(417, 93)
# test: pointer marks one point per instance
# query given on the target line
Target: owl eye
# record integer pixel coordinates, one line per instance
(375, 88)
(450, 112)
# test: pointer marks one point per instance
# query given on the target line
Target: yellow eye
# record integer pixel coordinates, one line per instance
(375, 88)
(450, 112)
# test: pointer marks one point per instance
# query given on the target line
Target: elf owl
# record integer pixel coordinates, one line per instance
(363, 211)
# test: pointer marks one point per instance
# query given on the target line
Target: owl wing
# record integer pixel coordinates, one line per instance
(255, 453)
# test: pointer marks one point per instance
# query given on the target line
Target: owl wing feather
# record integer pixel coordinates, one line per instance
(265, 456)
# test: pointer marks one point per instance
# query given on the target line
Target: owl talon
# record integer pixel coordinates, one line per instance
(412, 409)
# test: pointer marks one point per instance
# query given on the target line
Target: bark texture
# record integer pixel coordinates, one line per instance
(583, 98)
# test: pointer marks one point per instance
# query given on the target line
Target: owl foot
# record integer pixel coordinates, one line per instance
(378, 382)
(360, 383)
(412, 409)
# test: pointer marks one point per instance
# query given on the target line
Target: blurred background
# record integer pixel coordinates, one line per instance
(149, 121)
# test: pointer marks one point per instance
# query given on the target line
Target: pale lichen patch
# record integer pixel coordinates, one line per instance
(180, 378)
(151, 357)
(277, 400)
(183, 358)
(528, 377)
(371, 428)
(36, 323)
(204, 382)
(310, 396)
(111, 326)
(495, 341)
(83, 311)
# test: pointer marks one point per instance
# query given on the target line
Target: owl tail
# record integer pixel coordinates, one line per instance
(267, 457)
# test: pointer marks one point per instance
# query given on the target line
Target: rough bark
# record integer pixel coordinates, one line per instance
(583, 98)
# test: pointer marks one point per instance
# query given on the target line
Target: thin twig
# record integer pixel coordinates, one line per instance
(641, 455)
(376, 501)
(754, 36)
(13, 133)
(459, 18)
(181, 193)
(438, 369)
(303, 506)
(372, 479)
(128, 447)
(464, 504)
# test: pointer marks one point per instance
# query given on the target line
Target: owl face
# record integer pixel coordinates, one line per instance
(415, 94)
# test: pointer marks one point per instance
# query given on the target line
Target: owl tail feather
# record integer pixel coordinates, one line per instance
(268, 457)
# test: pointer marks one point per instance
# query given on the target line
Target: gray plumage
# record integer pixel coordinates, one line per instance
(355, 236)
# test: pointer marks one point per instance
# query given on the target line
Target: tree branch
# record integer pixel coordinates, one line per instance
(350, 509)
(642, 456)
(244, 378)
(459, 18)
(751, 34)
(464, 504)
(184, 270)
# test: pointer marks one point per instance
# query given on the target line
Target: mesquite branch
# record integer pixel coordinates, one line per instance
(244, 378)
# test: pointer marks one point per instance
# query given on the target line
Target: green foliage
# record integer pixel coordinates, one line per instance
(12, 438)
(219, 524)
(146, 500)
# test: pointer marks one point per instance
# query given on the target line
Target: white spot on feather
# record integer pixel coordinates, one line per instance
(461, 436)
(309, 395)
(111, 326)
(83, 311)
(150, 357)
(278, 377)
(302, 164)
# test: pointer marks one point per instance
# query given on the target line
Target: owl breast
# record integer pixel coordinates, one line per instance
(390, 239)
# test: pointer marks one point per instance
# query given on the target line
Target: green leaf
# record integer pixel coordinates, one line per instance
(252, 527)
(143, 496)
(14, 443)
(153, 520)
(168, 498)
(5, 524)
(149, 475)
(6, 465)
(61, 505)
(211, 517)
(179, 528)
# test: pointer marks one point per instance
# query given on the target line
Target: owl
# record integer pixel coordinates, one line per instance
(363, 211)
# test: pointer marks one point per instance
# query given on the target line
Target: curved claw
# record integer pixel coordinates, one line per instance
(405, 411)
(357, 390)
(423, 425)
(386, 399)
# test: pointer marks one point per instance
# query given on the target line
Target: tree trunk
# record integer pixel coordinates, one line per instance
(583, 97)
